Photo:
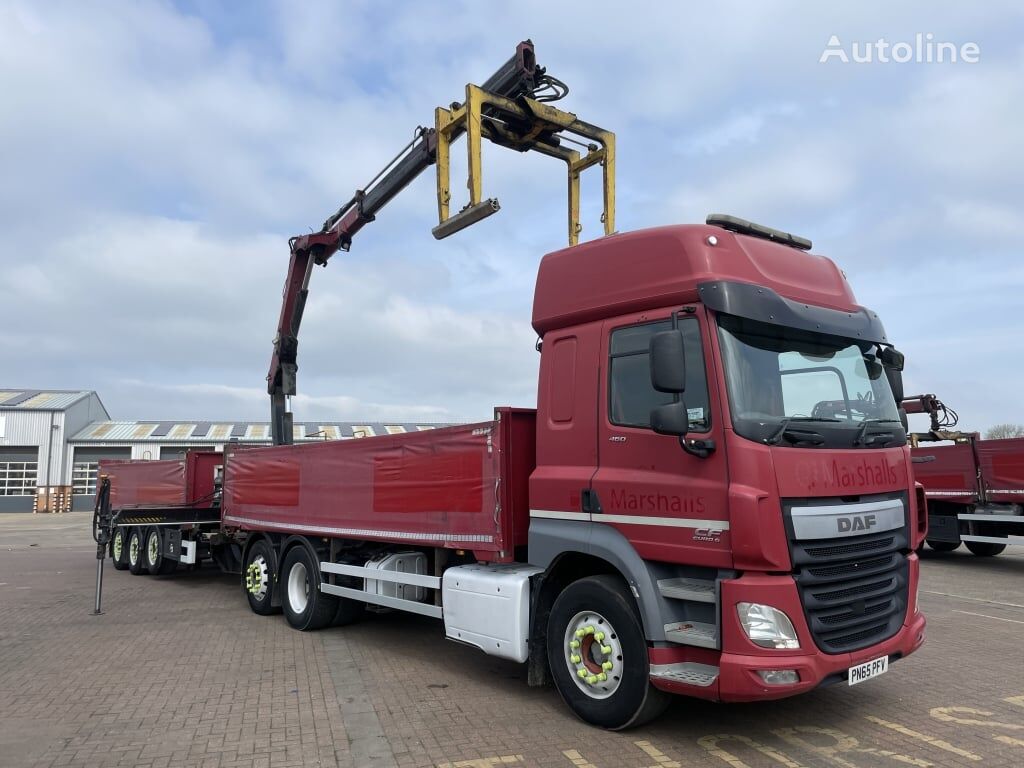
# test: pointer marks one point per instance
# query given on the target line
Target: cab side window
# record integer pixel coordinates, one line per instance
(631, 396)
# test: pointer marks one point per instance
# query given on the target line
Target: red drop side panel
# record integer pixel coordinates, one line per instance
(1002, 469)
(459, 487)
(947, 472)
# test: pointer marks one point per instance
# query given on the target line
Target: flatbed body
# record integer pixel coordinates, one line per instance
(975, 492)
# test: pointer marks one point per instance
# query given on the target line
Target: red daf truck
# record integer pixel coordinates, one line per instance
(714, 496)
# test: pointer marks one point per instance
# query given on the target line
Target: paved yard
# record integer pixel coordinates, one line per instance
(179, 672)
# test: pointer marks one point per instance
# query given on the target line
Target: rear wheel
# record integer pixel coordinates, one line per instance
(260, 577)
(598, 655)
(349, 612)
(944, 546)
(305, 606)
(984, 548)
(135, 547)
(119, 549)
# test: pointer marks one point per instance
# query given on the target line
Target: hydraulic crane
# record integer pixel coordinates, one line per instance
(943, 419)
(511, 109)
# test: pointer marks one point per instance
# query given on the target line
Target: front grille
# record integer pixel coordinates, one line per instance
(854, 590)
(835, 550)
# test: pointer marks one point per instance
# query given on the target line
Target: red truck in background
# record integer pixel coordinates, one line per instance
(974, 487)
(714, 496)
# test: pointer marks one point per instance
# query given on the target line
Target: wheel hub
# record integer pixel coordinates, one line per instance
(133, 550)
(593, 654)
(153, 545)
(118, 545)
(298, 588)
(257, 578)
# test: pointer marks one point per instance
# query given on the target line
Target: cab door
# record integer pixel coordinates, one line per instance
(670, 504)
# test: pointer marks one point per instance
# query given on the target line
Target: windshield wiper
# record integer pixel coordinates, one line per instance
(801, 435)
(863, 428)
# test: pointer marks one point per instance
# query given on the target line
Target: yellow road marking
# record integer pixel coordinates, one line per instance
(1009, 740)
(577, 759)
(902, 729)
(660, 757)
(844, 744)
(484, 762)
(710, 745)
(943, 713)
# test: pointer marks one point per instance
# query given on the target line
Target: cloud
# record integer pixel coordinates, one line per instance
(158, 156)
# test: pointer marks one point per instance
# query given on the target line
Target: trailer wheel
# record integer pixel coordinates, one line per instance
(119, 549)
(984, 548)
(598, 655)
(260, 578)
(135, 547)
(305, 606)
(943, 546)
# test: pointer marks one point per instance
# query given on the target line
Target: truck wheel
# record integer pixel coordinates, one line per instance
(598, 655)
(305, 606)
(984, 548)
(260, 578)
(119, 549)
(349, 612)
(152, 553)
(135, 547)
(943, 546)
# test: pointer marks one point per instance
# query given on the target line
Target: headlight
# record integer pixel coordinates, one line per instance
(767, 627)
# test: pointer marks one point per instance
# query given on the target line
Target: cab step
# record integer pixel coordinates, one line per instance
(695, 590)
(692, 633)
(688, 672)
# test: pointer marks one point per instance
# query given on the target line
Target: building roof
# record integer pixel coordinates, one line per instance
(41, 399)
(218, 432)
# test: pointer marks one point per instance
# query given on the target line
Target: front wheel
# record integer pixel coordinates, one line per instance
(305, 606)
(984, 548)
(598, 655)
(944, 546)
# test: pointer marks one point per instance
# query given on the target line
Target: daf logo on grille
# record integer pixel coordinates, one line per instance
(856, 523)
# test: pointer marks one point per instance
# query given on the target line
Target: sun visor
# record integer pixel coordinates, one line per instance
(757, 302)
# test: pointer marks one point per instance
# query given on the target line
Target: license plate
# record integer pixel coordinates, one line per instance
(869, 669)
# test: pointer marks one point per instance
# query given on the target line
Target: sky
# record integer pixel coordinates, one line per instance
(155, 157)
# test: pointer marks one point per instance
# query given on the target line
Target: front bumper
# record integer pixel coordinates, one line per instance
(739, 660)
(738, 679)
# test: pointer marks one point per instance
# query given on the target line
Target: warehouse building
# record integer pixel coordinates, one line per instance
(51, 443)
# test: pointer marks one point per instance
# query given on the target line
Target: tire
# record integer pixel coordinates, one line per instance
(943, 546)
(984, 548)
(152, 553)
(349, 612)
(135, 548)
(305, 606)
(259, 578)
(119, 549)
(581, 614)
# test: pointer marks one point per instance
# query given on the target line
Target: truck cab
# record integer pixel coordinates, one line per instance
(762, 508)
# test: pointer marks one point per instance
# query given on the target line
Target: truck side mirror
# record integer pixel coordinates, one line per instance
(671, 419)
(668, 363)
(893, 362)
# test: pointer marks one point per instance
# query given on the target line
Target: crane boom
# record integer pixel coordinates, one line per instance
(510, 109)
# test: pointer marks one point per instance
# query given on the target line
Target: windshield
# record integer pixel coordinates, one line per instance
(793, 387)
